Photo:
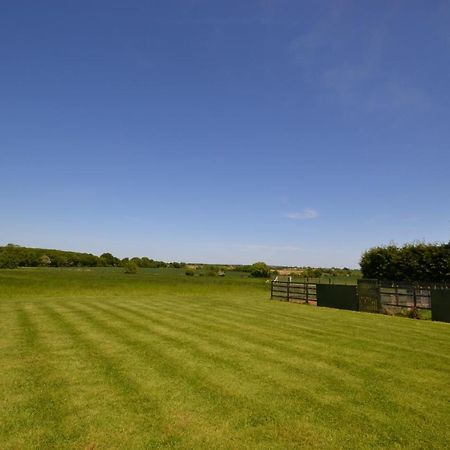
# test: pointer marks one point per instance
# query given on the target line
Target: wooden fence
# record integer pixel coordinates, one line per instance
(294, 291)
(368, 296)
(402, 295)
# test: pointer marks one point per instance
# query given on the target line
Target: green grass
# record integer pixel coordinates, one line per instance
(97, 359)
(350, 280)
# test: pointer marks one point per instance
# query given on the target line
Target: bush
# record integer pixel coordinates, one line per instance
(44, 260)
(131, 267)
(177, 265)
(412, 262)
(190, 272)
(413, 313)
(260, 270)
(211, 270)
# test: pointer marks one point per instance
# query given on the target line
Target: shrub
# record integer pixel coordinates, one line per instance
(131, 267)
(413, 313)
(412, 262)
(44, 260)
(260, 270)
(190, 272)
(211, 270)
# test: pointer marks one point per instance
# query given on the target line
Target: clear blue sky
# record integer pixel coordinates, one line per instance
(225, 131)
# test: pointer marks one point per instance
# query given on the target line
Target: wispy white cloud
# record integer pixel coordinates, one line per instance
(306, 214)
(359, 78)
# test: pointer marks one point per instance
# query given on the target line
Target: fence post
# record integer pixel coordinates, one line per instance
(271, 289)
(306, 288)
(288, 285)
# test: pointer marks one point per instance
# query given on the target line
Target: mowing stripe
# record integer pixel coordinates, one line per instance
(114, 370)
(46, 404)
(339, 321)
(148, 417)
(283, 343)
(200, 333)
(311, 400)
(378, 393)
(344, 323)
(210, 350)
(223, 402)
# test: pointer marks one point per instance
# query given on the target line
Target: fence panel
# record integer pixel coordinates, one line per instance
(337, 296)
(440, 305)
(368, 296)
(402, 295)
(293, 291)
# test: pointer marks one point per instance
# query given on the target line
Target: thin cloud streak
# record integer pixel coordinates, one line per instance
(306, 214)
(361, 79)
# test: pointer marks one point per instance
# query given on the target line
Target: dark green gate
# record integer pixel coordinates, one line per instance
(440, 304)
(337, 296)
(369, 296)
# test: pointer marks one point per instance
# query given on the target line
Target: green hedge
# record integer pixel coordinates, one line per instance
(412, 262)
(12, 256)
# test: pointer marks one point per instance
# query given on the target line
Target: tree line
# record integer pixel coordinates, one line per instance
(411, 262)
(13, 256)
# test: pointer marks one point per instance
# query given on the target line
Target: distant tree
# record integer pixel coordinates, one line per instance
(58, 260)
(260, 270)
(146, 262)
(12, 255)
(124, 262)
(242, 268)
(7, 261)
(131, 267)
(311, 272)
(136, 261)
(177, 265)
(45, 260)
(109, 260)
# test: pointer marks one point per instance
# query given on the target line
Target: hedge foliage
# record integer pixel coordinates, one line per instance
(13, 256)
(412, 262)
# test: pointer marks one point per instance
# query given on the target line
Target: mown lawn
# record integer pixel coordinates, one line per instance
(97, 359)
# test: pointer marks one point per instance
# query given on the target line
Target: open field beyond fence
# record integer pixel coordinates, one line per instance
(99, 359)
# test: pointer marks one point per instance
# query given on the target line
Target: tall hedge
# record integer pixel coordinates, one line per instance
(412, 262)
(12, 256)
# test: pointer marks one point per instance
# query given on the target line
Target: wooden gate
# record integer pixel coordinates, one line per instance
(293, 291)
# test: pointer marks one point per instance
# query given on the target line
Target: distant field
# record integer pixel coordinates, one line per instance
(350, 280)
(97, 359)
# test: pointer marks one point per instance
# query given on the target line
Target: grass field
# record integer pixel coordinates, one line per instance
(97, 359)
(350, 280)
